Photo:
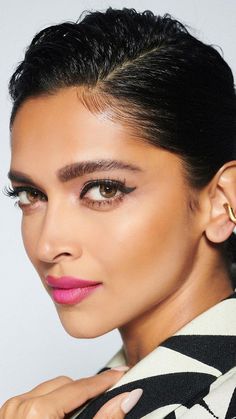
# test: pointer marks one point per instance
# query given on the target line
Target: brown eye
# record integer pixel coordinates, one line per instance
(108, 191)
(32, 196)
(29, 197)
(101, 192)
(26, 195)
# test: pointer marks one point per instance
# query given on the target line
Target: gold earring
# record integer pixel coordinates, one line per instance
(230, 212)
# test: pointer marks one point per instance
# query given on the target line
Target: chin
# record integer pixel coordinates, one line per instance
(82, 334)
(80, 326)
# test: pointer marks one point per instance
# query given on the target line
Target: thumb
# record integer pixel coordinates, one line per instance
(119, 406)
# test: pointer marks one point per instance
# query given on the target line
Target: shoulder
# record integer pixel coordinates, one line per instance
(218, 403)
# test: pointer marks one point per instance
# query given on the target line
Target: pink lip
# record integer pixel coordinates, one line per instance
(70, 290)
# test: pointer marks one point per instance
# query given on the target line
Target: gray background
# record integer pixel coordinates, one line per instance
(33, 345)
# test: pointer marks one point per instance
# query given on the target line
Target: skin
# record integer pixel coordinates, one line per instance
(153, 251)
(55, 398)
(130, 255)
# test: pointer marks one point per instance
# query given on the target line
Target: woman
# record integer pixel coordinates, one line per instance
(123, 145)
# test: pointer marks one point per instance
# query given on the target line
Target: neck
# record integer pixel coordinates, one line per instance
(199, 292)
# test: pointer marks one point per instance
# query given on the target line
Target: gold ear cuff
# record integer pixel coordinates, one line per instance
(230, 212)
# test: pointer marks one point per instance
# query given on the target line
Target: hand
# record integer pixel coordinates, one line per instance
(55, 398)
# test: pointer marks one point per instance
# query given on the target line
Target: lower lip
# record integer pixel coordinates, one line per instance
(72, 295)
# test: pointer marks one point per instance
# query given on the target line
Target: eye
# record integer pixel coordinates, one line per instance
(27, 196)
(104, 192)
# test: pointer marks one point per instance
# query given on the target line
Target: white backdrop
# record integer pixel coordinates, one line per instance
(33, 345)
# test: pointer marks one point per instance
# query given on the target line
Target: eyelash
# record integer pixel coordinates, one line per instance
(120, 185)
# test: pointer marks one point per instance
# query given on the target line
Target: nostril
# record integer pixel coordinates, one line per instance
(62, 255)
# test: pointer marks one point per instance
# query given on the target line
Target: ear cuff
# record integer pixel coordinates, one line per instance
(230, 212)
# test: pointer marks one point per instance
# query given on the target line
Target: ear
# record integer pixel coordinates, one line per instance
(222, 190)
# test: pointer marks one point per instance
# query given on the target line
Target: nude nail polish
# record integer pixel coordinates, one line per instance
(130, 401)
(121, 368)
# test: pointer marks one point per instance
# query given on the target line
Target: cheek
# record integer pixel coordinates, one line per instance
(142, 254)
(142, 261)
(149, 245)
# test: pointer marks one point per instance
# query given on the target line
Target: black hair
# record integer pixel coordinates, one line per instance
(177, 91)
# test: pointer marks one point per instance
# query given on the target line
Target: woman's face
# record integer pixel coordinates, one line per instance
(137, 240)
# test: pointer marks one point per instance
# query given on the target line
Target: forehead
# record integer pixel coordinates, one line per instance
(62, 121)
(55, 130)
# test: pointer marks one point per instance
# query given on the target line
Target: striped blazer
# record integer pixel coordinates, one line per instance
(191, 375)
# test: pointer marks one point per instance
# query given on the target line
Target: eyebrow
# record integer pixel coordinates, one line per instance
(20, 177)
(79, 169)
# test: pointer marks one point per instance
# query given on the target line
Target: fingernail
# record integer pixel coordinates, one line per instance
(121, 368)
(130, 401)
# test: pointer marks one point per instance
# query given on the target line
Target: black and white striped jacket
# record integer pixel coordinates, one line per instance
(192, 375)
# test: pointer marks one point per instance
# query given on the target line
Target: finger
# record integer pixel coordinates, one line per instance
(120, 405)
(73, 395)
(8, 408)
(47, 387)
(112, 408)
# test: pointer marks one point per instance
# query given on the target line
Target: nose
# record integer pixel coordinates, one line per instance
(58, 238)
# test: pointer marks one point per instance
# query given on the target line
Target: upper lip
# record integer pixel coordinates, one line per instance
(68, 282)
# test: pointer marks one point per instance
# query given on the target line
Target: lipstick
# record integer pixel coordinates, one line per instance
(70, 290)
